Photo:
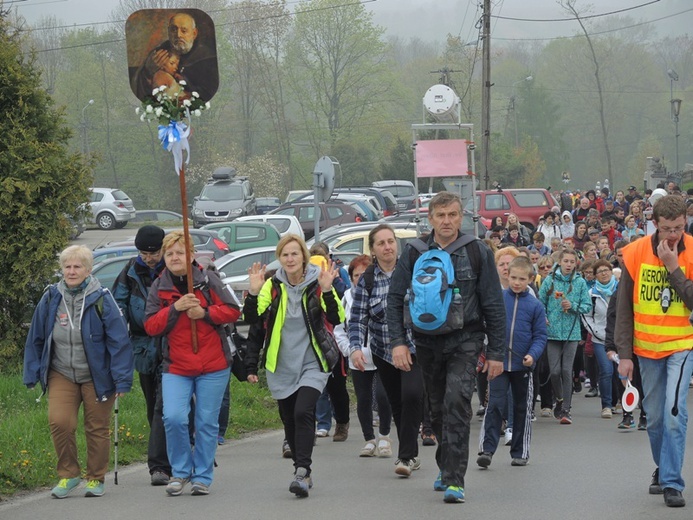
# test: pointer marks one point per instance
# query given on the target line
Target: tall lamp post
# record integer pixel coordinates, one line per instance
(675, 109)
(512, 100)
(85, 141)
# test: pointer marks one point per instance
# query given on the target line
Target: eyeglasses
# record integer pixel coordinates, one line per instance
(669, 231)
(602, 271)
(545, 267)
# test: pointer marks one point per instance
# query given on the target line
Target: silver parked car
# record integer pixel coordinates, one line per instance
(110, 208)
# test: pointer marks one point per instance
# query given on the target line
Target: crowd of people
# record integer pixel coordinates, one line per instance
(599, 292)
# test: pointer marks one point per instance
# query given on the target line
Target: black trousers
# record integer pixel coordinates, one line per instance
(449, 372)
(337, 390)
(157, 459)
(364, 382)
(405, 393)
(297, 412)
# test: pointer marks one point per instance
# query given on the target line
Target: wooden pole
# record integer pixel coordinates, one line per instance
(188, 260)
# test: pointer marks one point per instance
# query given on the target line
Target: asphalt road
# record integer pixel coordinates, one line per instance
(94, 237)
(587, 470)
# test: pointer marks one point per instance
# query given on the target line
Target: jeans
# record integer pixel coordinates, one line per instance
(323, 411)
(197, 464)
(667, 432)
(224, 411)
(606, 370)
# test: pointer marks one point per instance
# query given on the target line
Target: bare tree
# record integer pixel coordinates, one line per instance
(46, 37)
(569, 5)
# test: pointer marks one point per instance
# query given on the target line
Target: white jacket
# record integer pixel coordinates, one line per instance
(342, 336)
(595, 321)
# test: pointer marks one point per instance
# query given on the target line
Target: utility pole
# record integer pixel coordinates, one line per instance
(486, 91)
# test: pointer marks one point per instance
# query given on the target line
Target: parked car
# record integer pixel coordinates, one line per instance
(108, 270)
(331, 213)
(284, 224)
(527, 203)
(245, 235)
(386, 201)
(224, 197)
(296, 194)
(102, 254)
(203, 240)
(343, 258)
(425, 226)
(233, 267)
(357, 241)
(110, 208)
(403, 191)
(368, 204)
(266, 204)
(160, 217)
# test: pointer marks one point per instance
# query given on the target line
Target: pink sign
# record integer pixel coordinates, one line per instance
(441, 158)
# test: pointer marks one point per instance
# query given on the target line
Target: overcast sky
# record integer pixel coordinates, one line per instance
(431, 19)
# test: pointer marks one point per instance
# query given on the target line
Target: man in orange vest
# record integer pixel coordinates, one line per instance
(655, 299)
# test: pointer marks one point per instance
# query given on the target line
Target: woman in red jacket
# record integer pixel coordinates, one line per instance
(202, 372)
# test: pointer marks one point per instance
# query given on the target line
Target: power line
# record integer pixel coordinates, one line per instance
(573, 19)
(218, 25)
(600, 32)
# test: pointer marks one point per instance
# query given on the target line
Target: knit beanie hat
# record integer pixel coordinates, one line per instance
(149, 239)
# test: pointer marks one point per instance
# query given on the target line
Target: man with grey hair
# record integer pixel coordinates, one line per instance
(580, 213)
(198, 62)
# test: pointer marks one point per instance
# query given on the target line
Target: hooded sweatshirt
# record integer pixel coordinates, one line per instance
(69, 357)
(567, 229)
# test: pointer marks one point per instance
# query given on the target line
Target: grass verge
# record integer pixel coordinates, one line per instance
(27, 457)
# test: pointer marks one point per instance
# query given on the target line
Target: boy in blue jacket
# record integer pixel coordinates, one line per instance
(526, 339)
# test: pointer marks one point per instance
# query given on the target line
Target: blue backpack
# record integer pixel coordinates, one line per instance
(433, 304)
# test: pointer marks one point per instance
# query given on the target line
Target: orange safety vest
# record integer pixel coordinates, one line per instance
(657, 334)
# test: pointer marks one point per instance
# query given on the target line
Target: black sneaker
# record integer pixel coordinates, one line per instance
(627, 422)
(655, 488)
(286, 450)
(484, 460)
(558, 410)
(481, 410)
(566, 418)
(673, 498)
(577, 386)
(642, 422)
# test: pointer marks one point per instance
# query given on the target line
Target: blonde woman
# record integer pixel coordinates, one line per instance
(73, 317)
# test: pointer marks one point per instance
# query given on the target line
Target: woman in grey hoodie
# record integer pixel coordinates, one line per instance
(299, 349)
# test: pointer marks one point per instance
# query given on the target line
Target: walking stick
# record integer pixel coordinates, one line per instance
(115, 440)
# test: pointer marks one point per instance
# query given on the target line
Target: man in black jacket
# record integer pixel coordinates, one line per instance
(130, 291)
(449, 360)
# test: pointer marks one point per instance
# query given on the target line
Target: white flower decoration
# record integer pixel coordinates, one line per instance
(195, 95)
(149, 109)
(186, 102)
(182, 82)
(198, 113)
(207, 105)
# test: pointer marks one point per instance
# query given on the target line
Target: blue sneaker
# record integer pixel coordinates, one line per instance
(438, 483)
(94, 488)
(65, 485)
(454, 495)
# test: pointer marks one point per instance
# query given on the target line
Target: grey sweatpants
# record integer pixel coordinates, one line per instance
(561, 356)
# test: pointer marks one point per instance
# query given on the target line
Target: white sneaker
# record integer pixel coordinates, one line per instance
(369, 450)
(384, 448)
(403, 467)
(508, 436)
(321, 433)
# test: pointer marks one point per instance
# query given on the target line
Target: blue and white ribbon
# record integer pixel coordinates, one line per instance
(174, 138)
